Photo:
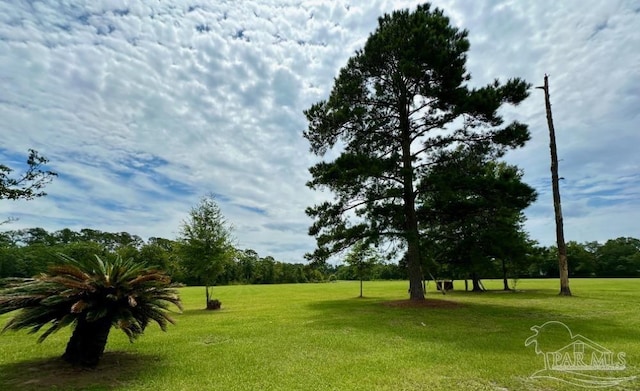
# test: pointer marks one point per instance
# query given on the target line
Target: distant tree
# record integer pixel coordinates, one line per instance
(313, 273)
(27, 185)
(12, 263)
(247, 260)
(81, 250)
(619, 257)
(163, 253)
(229, 271)
(520, 261)
(5, 240)
(66, 236)
(362, 259)
(391, 271)
(93, 295)
(582, 257)
(92, 235)
(545, 262)
(292, 273)
(38, 235)
(205, 243)
(36, 259)
(301, 276)
(154, 255)
(265, 270)
(396, 103)
(510, 245)
(127, 252)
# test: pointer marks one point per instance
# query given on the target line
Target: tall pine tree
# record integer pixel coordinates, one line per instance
(396, 103)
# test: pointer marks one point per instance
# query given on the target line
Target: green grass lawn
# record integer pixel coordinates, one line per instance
(322, 337)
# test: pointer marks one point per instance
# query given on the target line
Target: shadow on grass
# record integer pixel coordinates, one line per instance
(465, 325)
(116, 369)
(202, 312)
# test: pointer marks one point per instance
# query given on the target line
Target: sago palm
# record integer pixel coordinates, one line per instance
(92, 295)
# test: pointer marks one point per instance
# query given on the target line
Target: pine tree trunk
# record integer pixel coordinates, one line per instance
(415, 273)
(476, 283)
(416, 292)
(87, 343)
(505, 281)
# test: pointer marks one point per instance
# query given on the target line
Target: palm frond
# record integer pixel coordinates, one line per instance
(129, 295)
(57, 325)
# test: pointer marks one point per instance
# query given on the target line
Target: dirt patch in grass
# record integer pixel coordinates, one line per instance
(427, 303)
(115, 369)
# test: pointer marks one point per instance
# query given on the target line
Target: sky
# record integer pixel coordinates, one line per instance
(144, 107)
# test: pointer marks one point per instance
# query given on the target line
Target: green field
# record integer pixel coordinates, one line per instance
(322, 337)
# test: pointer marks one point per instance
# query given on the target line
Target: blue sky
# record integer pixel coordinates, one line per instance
(143, 108)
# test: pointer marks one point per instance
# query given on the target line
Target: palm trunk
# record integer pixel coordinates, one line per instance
(87, 343)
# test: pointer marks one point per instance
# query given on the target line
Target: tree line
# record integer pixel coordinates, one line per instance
(618, 257)
(27, 252)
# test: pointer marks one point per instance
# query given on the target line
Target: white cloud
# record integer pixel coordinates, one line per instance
(143, 108)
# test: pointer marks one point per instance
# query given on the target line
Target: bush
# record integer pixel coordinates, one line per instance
(214, 304)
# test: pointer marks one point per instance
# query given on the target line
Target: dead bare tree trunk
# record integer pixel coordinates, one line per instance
(562, 247)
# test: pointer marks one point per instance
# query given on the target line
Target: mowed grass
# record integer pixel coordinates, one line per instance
(322, 337)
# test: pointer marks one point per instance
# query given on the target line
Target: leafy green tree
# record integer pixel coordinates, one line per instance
(127, 252)
(154, 255)
(362, 259)
(205, 243)
(93, 296)
(247, 260)
(619, 257)
(398, 101)
(92, 235)
(66, 236)
(81, 250)
(163, 253)
(391, 271)
(12, 262)
(5, 240)
(545, 262)
(265, 270)
(582, 257)
(37, 235)
(29, 184)
(300, 274)
(230, 272)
